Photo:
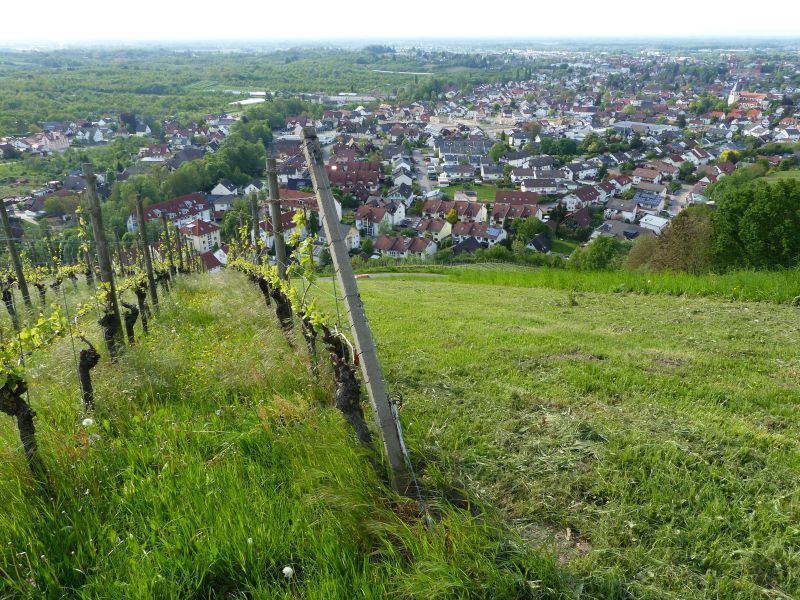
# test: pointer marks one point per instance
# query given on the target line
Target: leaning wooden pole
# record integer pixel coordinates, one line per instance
(113, 328)
(362, 335)
(12, 251)
(148, 262)
(275, 216)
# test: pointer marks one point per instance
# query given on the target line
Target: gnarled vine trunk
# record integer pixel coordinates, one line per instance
(131, 315)
(42, 289)
(89, 357)
(310, 335)
(8, 299)
(348, 389)
(283, 308)
(14, 405)
(141, 300)
(263, 285)
(110, 326)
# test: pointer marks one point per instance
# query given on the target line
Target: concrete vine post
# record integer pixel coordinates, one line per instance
(275, 217)
(363, 341)
(255, 235)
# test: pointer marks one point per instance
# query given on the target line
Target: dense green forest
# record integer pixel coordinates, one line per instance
(155, 83)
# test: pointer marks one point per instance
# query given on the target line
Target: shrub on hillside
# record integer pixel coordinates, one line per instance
(603, 254)
(757, 226)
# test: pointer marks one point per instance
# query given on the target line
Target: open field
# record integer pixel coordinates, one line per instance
(648, 438)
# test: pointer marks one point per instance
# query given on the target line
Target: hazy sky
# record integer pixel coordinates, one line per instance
(72, 21)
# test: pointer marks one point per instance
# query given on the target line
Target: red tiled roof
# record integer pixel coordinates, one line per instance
(514, 197)
(199, 227)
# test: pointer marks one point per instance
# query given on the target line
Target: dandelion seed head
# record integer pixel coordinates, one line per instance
(87, 422)
(288, 572)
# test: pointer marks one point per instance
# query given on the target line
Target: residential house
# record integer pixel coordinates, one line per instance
(642, 175)
(622, 182)
(624, 210)
(654, 223)
(541, 186)
(179, 211)
(696, 156)
(203, 235)
(504, 212)
(349, 233)
(460, 173)
(287, 224)
(486, 233)
(516, 197)
(540, 243)
(395, 208)
(254, 187)
(438, 229)
(465, 210)
(402, 193)
(579, 171)
(404, 247)
(583, 196)
(369, 218)
(402, 176)
(225, 188)
(491, 172)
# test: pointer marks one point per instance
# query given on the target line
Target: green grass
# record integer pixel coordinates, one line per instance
(757, 286)
(647, 438)
(16, 179)
(612, 445)
(783, 175)
(214, 460)
(486, 192)
(564, 246)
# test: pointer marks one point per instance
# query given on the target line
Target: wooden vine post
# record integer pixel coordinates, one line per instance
(275, 217)
(366, 351)
(148, 262)
(110, 321)
(12, 251)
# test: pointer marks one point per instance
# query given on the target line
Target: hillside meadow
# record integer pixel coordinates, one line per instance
(647, 438)
(572, 444)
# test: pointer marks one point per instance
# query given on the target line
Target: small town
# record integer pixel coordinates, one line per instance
(579, 153)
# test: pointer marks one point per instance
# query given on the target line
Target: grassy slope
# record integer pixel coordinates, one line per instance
(779, 175)
(757, 286)
(651, 438)
(212, 434)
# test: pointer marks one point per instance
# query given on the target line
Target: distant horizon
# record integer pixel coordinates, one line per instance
(354, 42)
(93, 22)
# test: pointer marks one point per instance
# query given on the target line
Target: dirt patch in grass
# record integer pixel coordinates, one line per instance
(565, 543)
(577, 355)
